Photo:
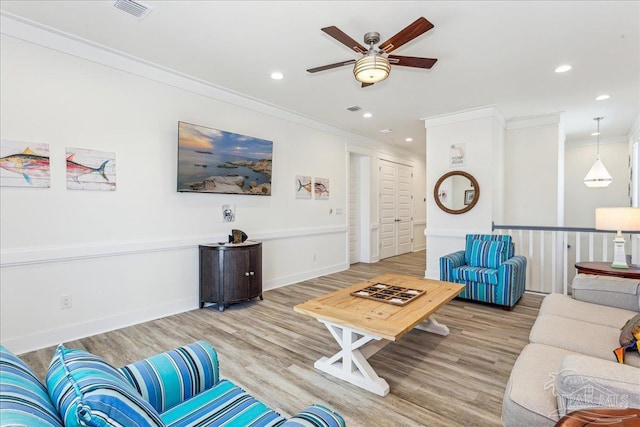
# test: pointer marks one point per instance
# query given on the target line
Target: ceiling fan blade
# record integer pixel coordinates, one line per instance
(367, 84)
(343, 38)
(330, 66)
(412, 61)
(413, 30)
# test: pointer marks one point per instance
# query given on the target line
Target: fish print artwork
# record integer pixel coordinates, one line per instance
(303, 187)
(90, 170)
(24, 164)
(321, 188)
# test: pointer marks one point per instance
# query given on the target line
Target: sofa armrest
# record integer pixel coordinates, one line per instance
(589, 382)
(169, 378)
(315, 416)
(449, 262)
(607, 290)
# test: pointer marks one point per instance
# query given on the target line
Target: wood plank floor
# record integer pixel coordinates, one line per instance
(267, 348)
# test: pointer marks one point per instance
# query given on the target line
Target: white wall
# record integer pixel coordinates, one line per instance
(481, 132)
(580, 200)
(532, 172)
(131, 255)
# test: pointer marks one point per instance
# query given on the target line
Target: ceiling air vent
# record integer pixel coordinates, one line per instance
(387, 130)
(135, 8)
(354, 108)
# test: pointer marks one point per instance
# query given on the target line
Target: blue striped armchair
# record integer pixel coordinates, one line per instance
(488, 268)
(180, 387)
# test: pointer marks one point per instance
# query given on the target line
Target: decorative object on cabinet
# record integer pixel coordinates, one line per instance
(230, 272)
(216, 161)
(24, 164)
(90, 170)
(237, 236)
(456, 192)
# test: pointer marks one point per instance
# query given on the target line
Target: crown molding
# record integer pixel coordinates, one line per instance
(465, 116)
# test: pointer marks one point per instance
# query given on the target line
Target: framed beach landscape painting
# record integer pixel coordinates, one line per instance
(215, 161)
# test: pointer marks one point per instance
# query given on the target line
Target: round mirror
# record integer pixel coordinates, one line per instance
(456, 192)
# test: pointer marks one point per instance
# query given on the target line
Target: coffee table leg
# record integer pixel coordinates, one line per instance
(350, 364)
(432, 325)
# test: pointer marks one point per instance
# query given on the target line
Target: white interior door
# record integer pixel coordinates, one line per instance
(354, 210)
(403, 208)
(395, 208)
(388, 181)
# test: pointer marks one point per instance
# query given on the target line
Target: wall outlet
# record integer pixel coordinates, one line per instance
(65, 302)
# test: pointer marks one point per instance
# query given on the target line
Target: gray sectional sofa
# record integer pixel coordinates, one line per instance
(569, 363)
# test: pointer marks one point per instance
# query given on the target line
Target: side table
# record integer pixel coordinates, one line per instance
(605, 269)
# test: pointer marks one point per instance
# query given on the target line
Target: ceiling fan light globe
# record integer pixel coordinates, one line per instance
(372, 69)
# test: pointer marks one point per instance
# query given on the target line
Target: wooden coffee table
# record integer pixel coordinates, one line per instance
(363, 326)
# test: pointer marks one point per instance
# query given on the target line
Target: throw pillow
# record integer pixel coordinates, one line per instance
(629, 336)
(87, 391)
(486, 253)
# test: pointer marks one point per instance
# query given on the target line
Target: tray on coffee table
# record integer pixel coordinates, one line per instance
(390, 294)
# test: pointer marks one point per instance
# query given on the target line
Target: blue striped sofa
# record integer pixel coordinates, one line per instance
(488, 268)
(180, 387)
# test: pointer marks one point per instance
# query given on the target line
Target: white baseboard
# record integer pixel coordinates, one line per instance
(46, 338)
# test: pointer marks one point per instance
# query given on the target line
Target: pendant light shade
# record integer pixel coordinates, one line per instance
(598, 176)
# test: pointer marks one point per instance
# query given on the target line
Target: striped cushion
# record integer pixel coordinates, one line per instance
(169, 378)
(487, 254)
(87, 391)
(23, 399)
(475, 274)
(223, 405)
(315, 416)
(493, 237)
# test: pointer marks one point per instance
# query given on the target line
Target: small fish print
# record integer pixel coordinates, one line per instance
(306, 186)
(319, 188)
(75, 170)
(28, 163)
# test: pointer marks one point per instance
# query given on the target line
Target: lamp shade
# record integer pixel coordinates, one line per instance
(597, 175)
(618, 219)
(371, 69)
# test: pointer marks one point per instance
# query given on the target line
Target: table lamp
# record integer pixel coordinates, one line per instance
(619, 220)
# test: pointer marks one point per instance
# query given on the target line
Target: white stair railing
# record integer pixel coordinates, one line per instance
(552, 252)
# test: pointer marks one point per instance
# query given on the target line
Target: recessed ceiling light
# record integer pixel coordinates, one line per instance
(563, 68)
(595, 134)
(367, 115)
(408, 139)
(277, 76)
(602, 97)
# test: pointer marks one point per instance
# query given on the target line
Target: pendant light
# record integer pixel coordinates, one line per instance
(597, 175)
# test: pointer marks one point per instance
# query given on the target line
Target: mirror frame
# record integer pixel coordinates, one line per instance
(468, 207)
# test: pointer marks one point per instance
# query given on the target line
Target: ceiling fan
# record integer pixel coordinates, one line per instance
(375, 64)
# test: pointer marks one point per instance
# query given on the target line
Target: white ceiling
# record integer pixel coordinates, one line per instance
(500, 53)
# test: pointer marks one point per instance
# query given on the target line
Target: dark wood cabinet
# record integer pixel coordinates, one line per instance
(230, 273)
